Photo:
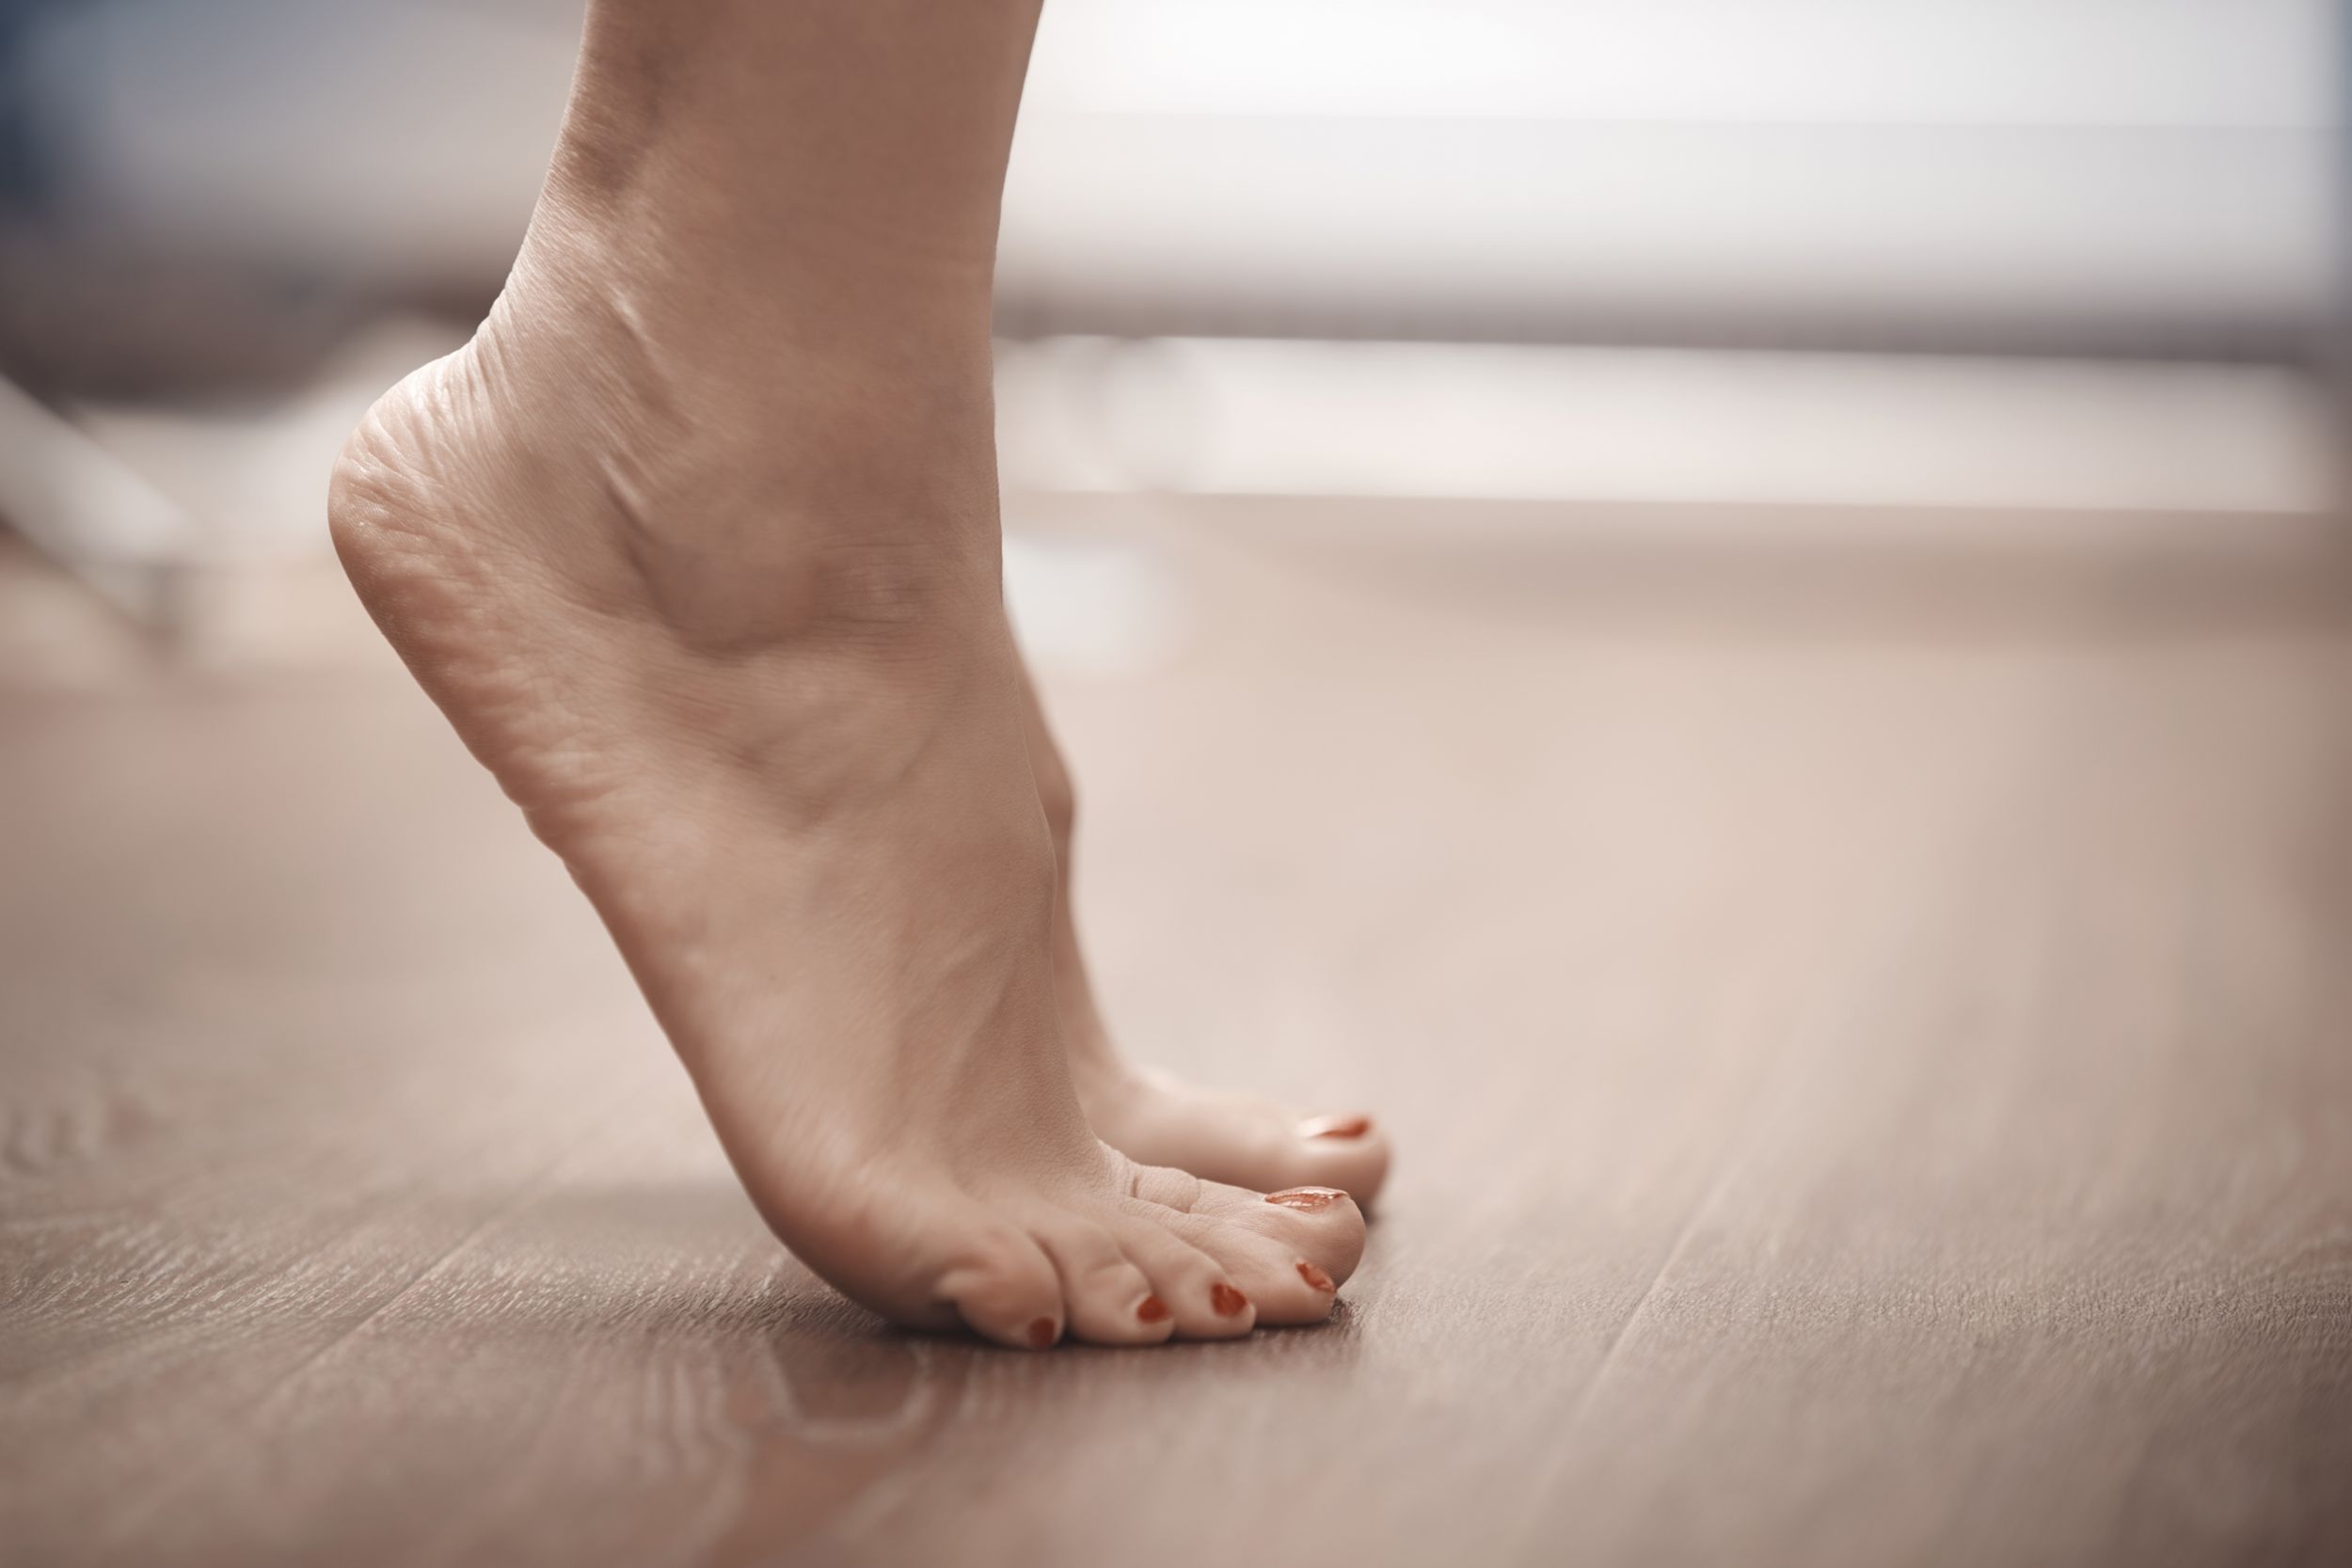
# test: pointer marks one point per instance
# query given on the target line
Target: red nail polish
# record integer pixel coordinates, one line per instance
(1316, 1277)
(1152, 1310)
(1228, 1301)
(1042, 1333)
(1307, 1198)
(1335, 1126)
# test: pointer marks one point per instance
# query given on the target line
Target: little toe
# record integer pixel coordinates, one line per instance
(1200, 1296)
(1109, 1300)
(1006, 1290)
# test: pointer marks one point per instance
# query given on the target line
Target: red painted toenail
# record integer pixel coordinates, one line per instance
(1335, 1126)
(1309, 1199)
(1153, 1310)
(1316, 1277)
(1041, 1333)
(1227, 1300)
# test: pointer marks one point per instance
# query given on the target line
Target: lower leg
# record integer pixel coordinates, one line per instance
(696, 546)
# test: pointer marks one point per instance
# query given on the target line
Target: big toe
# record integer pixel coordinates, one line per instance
(1249, 1143)
(1349, 1151)
(1290, 1257)
(1322, 1227)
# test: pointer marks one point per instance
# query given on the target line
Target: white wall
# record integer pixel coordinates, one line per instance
(2136, 174)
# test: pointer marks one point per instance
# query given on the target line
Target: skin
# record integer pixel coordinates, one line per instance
(1151, 1116)
(696, 546)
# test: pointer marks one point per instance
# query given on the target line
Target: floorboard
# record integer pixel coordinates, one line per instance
(1867, 1031)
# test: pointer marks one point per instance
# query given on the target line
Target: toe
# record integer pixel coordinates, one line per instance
(1320, 1226)
(1006, 1288)
(1200, 1294)
(1286, 1286)
(1348, 1151)
(1109, 1300)
(1250, 1142)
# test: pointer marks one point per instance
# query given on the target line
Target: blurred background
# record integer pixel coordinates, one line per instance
(1825, 263)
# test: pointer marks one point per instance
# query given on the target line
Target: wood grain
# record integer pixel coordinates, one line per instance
(1868, 1031)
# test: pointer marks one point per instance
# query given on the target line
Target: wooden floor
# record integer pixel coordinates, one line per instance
(1869, 1031)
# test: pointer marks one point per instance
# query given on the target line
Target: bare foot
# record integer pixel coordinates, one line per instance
(757, 691)
(1157, 1118)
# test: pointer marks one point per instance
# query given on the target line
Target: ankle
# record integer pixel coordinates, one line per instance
(808, 493)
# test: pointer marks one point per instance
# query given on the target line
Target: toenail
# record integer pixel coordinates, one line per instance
(1309, 1199)
(1152, 1310)
(1227, 1300)
(1316, 1277)
(1042, 1333)
(1335, 1126)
